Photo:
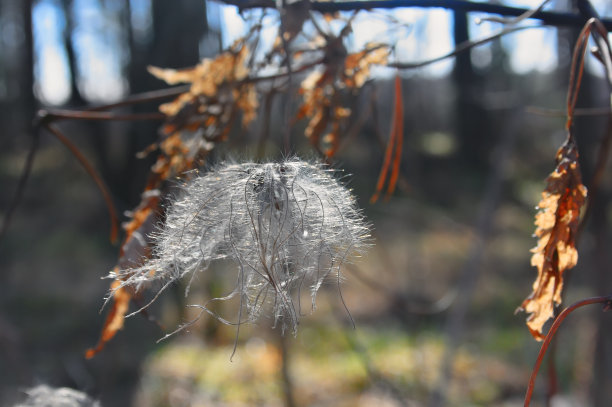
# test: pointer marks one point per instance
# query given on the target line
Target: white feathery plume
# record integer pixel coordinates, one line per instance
(46, 396)
(286, 225)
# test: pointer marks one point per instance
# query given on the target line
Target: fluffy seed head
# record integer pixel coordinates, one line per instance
(286, 225)
(43, 395)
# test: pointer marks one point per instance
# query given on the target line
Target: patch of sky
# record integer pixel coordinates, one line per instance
(532, 50)
(418, 35)
(97, 43)
(141, 20)
(52, 76)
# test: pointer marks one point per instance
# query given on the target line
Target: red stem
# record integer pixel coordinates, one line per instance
(94, 175)
(58, 114)
(551, 333)
(143, 97)
(576, 71)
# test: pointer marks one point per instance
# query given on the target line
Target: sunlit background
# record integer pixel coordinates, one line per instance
(100, 42)
(476, 154)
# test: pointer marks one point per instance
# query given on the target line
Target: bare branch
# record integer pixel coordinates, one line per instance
(464, 46)
(547, 17)
(515, 20)
(93, 174)
(606, 301)
(25, 175)
(59, 114)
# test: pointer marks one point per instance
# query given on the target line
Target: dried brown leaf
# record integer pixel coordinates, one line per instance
(218, 88)
(395, 143)
(556, 226)
(174, 76)
(357, 66)
(247, 102)
(321, 90)
(115, 318)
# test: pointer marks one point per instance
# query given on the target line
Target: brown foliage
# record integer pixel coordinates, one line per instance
(396, 139)
(115, 318)
(133, 249)
(196, 120)
(556, 226)
(322, 91)
(221, 89)
(218, 90)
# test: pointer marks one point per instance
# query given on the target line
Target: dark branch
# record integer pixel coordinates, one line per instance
(547, 17)
(23, 179)
(59, 114)
(93, 174)
(464, 46)
(606, 301)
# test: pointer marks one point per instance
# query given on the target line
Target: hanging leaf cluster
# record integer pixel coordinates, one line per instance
(556, 226)
(217, 93)
(223, 91)
(322, 91)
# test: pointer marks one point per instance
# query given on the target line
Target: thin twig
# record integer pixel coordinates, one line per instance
(93, 174)
(285, 373)
(585, 111)
(607, 300)
(25, 175)
(577, 71)
(547, 17)
(515, 20)
(46, 117)
(464, 46)
(59, 114)
(143, 97)
(472, 269)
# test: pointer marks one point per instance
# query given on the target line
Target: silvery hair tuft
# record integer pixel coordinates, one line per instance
(286, 225)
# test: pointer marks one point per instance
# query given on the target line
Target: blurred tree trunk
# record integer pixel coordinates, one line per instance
(178, 28)
(27, 70)
(18, 65)
(602, 369)
(17, 102)
(76, 99)
(589, 133)
(16, 117)
(174, 41)
(471, 117)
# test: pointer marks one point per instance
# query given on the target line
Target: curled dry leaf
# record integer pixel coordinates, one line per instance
(115, 318)
(135, 247)
(394, 146)
(218, 89)
(357, 66)
(196, 119)
(556, 225)
(206, 77)
(321, 91)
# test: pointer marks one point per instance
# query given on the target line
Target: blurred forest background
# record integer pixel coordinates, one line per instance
(433, 301)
